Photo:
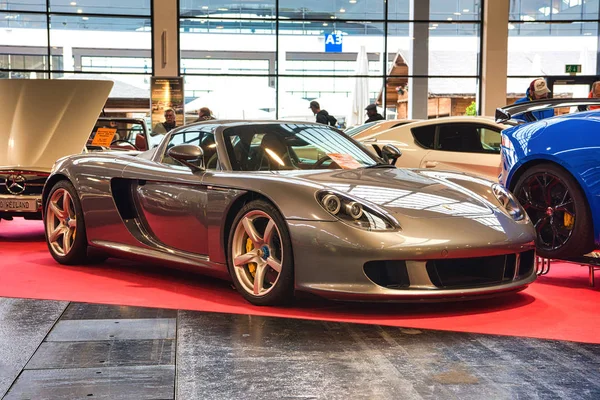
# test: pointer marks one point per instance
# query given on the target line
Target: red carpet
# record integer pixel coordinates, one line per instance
(557, 306)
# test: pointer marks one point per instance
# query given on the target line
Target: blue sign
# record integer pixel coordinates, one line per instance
(333, 43)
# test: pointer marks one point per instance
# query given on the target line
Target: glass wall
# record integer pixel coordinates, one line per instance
(275, 56)
(80, 39)
(547, 35)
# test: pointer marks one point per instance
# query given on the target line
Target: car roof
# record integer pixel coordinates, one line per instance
(438, 121)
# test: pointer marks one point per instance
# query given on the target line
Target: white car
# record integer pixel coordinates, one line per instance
(370, 128)
(466, 144)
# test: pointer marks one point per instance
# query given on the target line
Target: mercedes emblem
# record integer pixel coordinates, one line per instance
(15, 184)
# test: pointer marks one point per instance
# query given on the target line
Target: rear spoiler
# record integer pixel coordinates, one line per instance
(504, 114)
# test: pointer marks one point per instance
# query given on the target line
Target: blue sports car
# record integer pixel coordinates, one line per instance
(553, 168)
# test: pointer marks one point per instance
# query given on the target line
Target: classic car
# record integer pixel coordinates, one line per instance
(66, 116)
(466, 144)
(129, 133)
(552, 166)
(236, 200)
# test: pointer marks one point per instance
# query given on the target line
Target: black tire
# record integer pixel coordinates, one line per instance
(573, 239)
(282, 290)
(77, 254)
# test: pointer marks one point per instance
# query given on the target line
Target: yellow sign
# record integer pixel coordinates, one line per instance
(104, 137)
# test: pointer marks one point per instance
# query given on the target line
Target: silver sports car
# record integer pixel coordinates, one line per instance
(279, 207)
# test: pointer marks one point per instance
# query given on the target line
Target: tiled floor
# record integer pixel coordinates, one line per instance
(57, 350)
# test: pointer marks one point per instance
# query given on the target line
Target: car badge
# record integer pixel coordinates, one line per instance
(15, 184)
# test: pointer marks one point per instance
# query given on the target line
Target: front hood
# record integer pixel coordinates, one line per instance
(44, 120)
(413, 193)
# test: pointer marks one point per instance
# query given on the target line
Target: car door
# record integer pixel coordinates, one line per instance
(170, 198)
(467, 147)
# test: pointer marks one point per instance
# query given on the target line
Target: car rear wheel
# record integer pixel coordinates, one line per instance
(260, 255)
(558, 209)
(65, 228)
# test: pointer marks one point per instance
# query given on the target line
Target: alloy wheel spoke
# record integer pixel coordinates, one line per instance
(269, 231)
(252, 232)
(273, 263)
(540, 224)
(259, 278)
(60, 214)
(242, 260)
(529, 202)
(66, 205)
(67, 240)
(55, 234)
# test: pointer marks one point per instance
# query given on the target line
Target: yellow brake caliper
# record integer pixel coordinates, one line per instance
(568, 220)
(251, 266)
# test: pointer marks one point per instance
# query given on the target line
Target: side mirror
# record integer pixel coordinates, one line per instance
(391, 153)
(186, 153)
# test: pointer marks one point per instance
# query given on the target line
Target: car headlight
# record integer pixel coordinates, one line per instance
(354, 213)
(508, 202)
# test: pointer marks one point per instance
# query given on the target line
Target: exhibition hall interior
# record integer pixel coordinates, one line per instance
(365, 199)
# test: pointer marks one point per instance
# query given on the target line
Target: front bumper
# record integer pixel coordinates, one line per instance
(333, 261)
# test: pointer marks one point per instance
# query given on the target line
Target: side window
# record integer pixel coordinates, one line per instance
(491, 139)
(467, 138)
(424, 136)
(186, 137)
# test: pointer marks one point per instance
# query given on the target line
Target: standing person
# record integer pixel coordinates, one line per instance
(595, 94)
(537, 90)
(204, 114)
(323, 116)
(373, 114)
(168, 124)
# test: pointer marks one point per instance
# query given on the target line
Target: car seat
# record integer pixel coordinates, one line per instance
(274, 153)
(141, 142)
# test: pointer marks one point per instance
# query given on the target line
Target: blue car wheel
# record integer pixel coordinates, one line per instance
(558, 209)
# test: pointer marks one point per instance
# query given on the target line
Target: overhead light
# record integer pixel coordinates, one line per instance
(352, 1)
(342, 10)
(325, 24)
(79, 11)
(449, 18)
(208, 56)
(457, 13)
(432, 28)
(332, 16)
(85, 18)
(511, 26)
(222, 9)
(73, 3)
(466, 10)
(219, 26)
(205, 7)
(527, 18)
(435, 25)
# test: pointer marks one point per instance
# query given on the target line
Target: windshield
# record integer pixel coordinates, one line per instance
(358, 129)
(118, 134)
(271, 147)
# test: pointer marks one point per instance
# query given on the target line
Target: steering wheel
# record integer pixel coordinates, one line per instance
(114, 142)
(320, 161)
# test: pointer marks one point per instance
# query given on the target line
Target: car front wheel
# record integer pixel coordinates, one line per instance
(558, 209)
(260, 257)
(65, 228)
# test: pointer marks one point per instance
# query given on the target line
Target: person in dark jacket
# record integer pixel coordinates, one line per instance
(323, 116)
(537, 90)
(204, 114)
(373, 114)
